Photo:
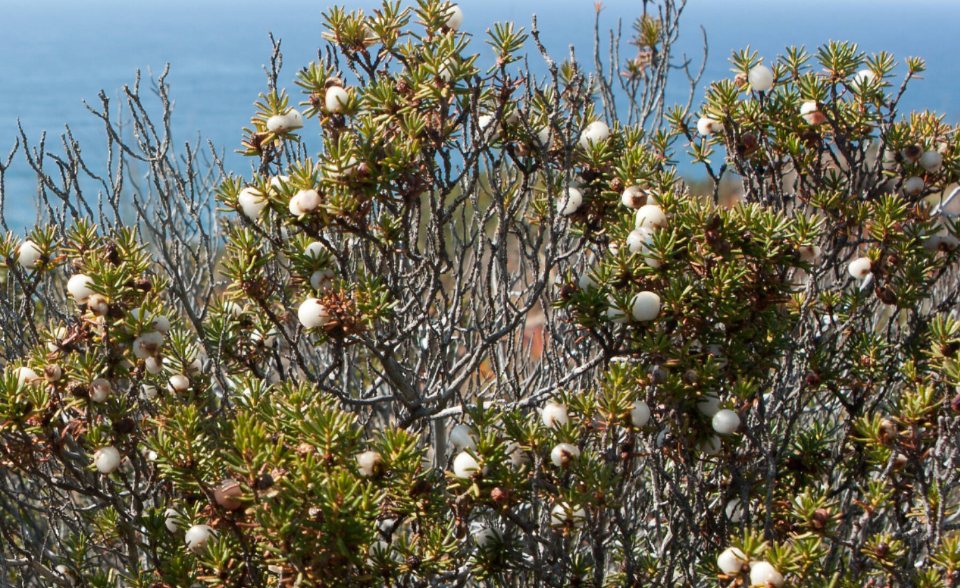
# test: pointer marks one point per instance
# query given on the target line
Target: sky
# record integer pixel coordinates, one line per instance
(59, 53)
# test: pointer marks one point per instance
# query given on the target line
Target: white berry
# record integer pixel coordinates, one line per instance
(251, 203)
(734, 510)
(313, 314)
(859, 268)
(462, 438)
(731, 561)
(307, 200)
(726, 421)
(651, 216)
(764, 574)
(640, 413)
(454, 18)
(633, 197)
(179, 383)
(554, 415)
(28, 254)
(336, 99)
(107, 460)
(710, 446)
(913, 185)
(708, 405)
(931, 161)
(79, 287)
(197, 537)
(368, 462)
(464, 465)
(321, 279)
(570, 202)
(294, 119)
(171, 518)
(26, 376)
(760, 78)
(100, 390)
(563, 512)
(708, 126)
(646, 306)
(596, 132)
(563, 454)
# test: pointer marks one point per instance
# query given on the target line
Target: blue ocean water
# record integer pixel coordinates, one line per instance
(58, 53)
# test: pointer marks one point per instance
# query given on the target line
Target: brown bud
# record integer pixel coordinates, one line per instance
(912, 152)
(499, 495)
(812, 379)
(420, 487)
(264, 482)
(882, 550)
(690, 376)
(657, 375)
(78, 390)
(616, 185)
(567, 291)
(955, 403)
(886, 295)
(413, 562)
(740, 80)
(820, 518)
(748, 144)
(124, 425)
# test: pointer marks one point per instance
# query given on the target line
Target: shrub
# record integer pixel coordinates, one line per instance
(486, 335)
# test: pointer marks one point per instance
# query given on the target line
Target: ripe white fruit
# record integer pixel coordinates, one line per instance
(518, 456)
(762, 574)
(614, 314)
(179, 383)
(811, 113)
(313, 314)
(171, 520)
(559, 515)
(454, 18)
(488, 129)
(100, 390)
(26, 376)
(640, 413)
(464, 465)
(227, 494)
(570, 202)
(731, 561)
(708, 126)
(277, 183)
(153, 365)
(760, 78)
(147, 345)
(646, 306)
(708, 405)
(307, 200)
(864, 76)
(554, 415)
(336, 99)
(314, 250)
(66, 573)
(79, 287)
(368, 462)
(587, 280)
(734, 510)
(808, 253)
(596, 132)
(486, 537)
(651, 216)
(462, 438)
(913, 185)
(563, 454)
(726, 421)
(251, 203)
(637, 239)
(321, 279)
(29, 254)
(107, 459)
(294, 119)
(197, 537)
(710, 446)
(859, 268)
(278, 124)
(52, 373)
(544, 136)
(633, 197)
(931, 161)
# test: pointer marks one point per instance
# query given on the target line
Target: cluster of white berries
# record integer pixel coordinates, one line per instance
(732, 561)
(147, 345)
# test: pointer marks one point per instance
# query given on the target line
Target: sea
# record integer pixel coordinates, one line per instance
(59, 53)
